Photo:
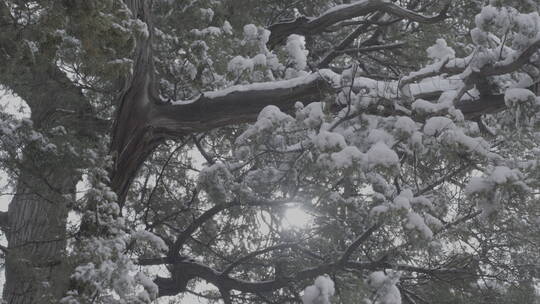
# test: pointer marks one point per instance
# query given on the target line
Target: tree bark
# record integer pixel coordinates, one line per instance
(36, 271)
(133, 137)
(35, 268)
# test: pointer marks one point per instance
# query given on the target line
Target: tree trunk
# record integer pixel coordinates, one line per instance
(36, 269)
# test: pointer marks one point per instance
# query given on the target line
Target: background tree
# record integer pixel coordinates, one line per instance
(420, 183)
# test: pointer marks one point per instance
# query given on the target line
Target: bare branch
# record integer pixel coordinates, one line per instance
(256, 253)
(195, 225)
(346, 42)
(359, 241)
(314, 25)
(203, 152)
(209, 214)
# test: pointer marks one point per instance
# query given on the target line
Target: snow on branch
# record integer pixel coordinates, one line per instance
(315, 25)
(513, 63)
(240, 103)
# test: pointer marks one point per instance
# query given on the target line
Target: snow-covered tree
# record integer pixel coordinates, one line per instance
(168, 144)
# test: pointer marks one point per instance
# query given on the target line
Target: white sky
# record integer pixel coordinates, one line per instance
(10, 104)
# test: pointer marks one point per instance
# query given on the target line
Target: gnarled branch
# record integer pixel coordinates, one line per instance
(315, 25)
(243, 103)
(209, 214)
(191, 269)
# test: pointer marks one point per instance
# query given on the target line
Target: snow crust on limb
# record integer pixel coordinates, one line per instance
(209, 31)
(320, 292)
(281, 84)
(207, 13)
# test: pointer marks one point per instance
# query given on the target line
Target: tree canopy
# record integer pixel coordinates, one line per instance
(242, 151)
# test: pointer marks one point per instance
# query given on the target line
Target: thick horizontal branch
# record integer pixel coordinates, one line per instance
(315, 25)
(191, 269)
(238, 104)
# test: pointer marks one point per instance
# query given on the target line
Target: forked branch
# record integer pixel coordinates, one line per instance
(316, 25)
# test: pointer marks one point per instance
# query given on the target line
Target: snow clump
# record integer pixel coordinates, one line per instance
(320, 292)
(440, 50)
(296, 48)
